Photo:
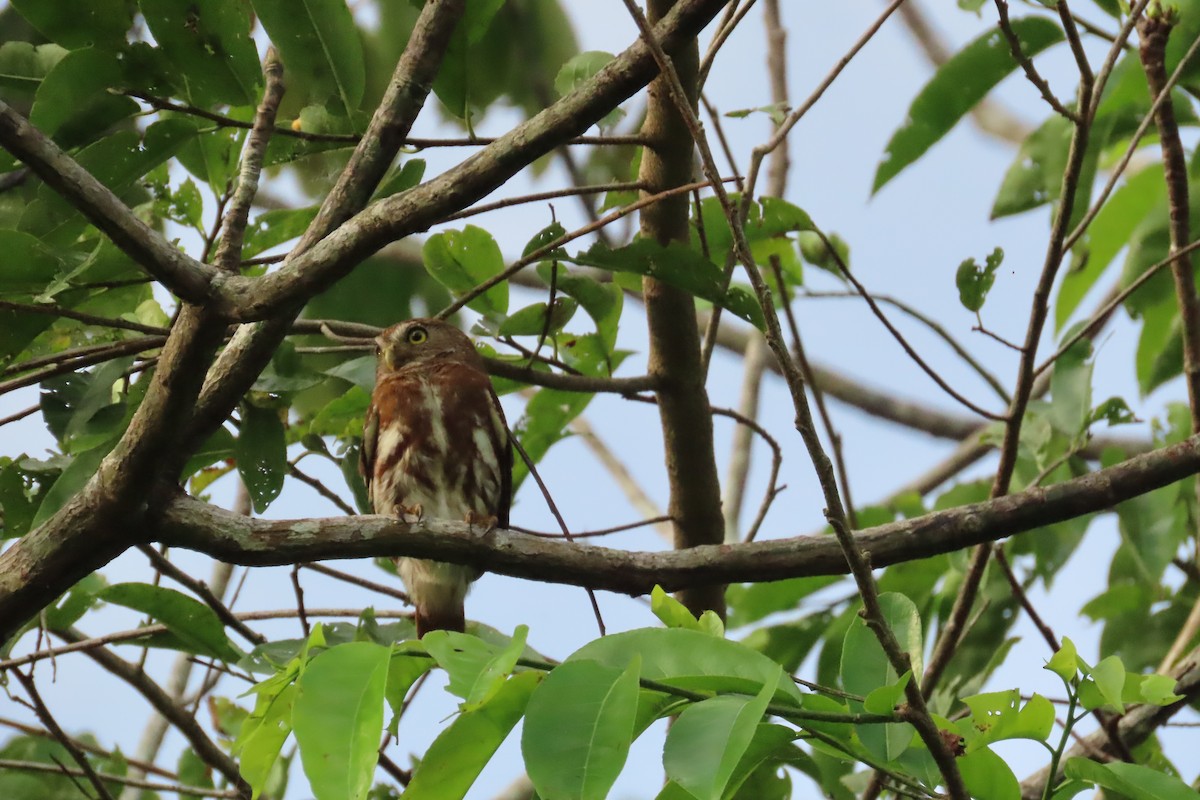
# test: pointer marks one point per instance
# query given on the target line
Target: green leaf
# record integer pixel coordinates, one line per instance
(73, 478)
(1158, 690)
(459, 84)
(675, 614)
(194, 624)
(577, 71)
(751, 602)
(459, 753)
(261, 454)
(80, 599)
(1160, 346)
(476, 668)
(987, 777)
(1108, 234)
(1106, 687)
(73, 103)
(884, 699)
(320, 46)
(1035, 177)
(23, 66)
(603, 302)
(996, 716)
(1131, 780)
(756, 776)
(531, 320)
(338, 718)
(343, 416)
(1114, 411)
(209, 42)
(273, 228)
(102, 23)
(29, 265)
(401, 180)
(691, 660)
(1071, 390)
(461, 260)
(709, 738)
(578, 728)
(957, 87)
(678, 265)
(1064, 663)
(193, 771)
(974, 282)
(866, 668)
(262, 736)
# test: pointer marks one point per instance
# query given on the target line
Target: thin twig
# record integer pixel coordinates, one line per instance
(164, 565)
(537, 197)
(153, 786)
(68, 744)
(1134, 143)
(62, 312)
(933, 325)
(953, 628)
(558, 517)
(629, 526)
(108, 353)
(321, 489)
(1014, 44)
(899, 337)
(364, 583)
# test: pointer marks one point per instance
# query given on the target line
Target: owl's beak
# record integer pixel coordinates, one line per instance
(383, 352)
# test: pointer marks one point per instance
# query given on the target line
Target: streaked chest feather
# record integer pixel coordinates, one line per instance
(438, 444)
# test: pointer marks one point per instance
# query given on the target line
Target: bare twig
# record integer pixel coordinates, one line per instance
(164, 565)
(62, 312)
(68, 744)
(558, 517)
(153, 786)
(1014, 44)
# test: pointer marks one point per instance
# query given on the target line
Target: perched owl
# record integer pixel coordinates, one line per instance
(435, 444)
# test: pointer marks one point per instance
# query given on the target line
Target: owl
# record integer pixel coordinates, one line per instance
(435, 444)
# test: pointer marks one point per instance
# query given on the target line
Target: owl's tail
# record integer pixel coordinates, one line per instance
(437, 591)
(440, 617)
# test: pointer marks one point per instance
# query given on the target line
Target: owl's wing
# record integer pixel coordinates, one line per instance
(366, 454)
(505, 451)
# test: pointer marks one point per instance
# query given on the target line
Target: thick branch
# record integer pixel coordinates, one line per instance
(194, 525)
(416, 210)
(674, 359)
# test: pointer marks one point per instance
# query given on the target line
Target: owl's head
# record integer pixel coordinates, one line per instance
(416, 341)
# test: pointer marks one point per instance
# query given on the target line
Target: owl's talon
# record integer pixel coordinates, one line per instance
(411, 515)
(486, 523)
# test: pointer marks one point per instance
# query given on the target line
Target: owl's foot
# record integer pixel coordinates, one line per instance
(481, 524)
(410, 515)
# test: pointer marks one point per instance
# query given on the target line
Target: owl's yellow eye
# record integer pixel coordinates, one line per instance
(417, 336)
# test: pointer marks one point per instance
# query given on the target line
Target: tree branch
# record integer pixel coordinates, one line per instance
(674, 359)
(193, 525)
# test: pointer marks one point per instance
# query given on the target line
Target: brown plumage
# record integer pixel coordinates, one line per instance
(435, 444)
